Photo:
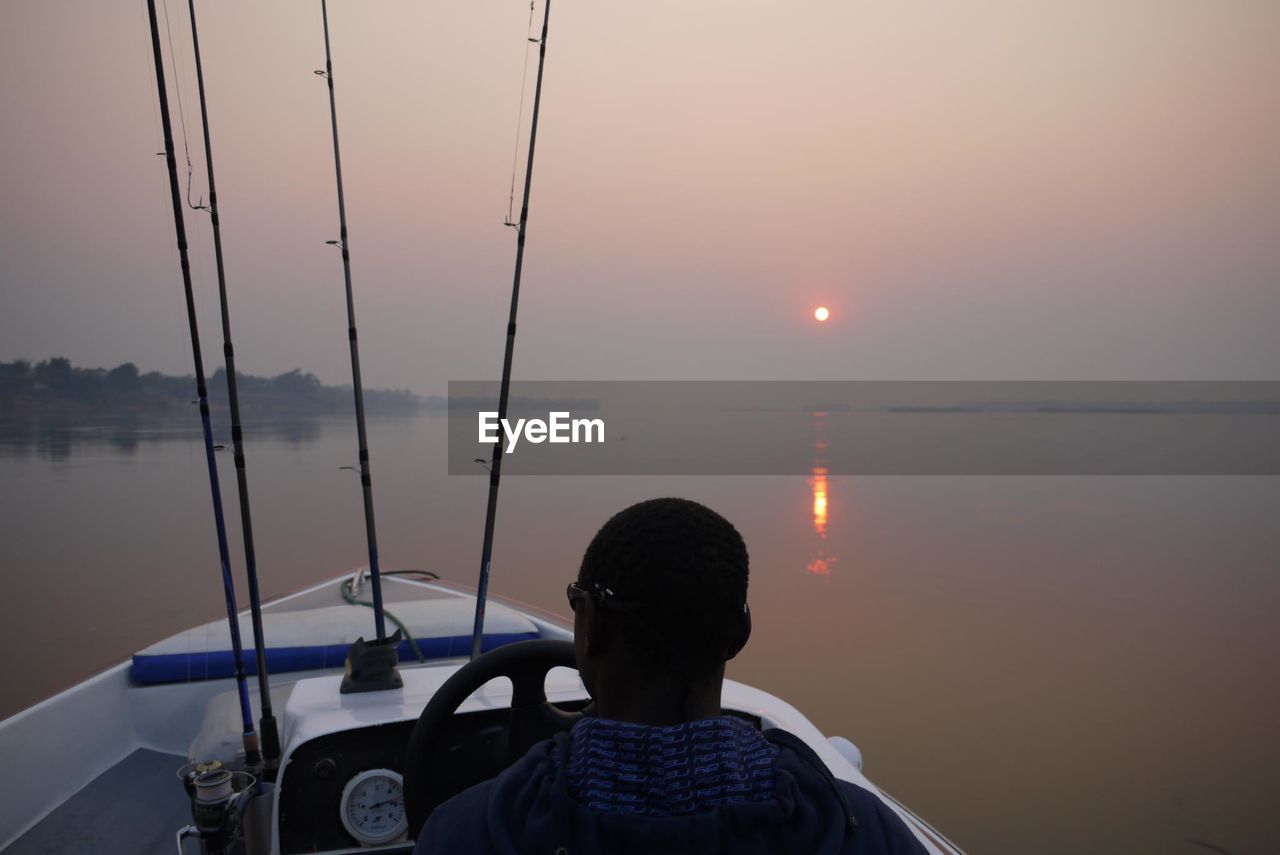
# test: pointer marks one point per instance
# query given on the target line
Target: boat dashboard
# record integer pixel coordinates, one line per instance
(319, 811)
(322, 806)
(339, 785)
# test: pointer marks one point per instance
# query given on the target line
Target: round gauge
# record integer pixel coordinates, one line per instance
(373, 807)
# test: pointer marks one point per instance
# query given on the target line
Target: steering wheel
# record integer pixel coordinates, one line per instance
(532, 718)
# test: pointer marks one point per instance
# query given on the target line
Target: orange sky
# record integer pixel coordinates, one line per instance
(999, 190)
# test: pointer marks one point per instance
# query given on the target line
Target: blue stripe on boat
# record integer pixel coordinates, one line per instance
(218, 664)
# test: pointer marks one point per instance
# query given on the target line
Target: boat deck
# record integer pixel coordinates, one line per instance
(127, 738)
(134, 808)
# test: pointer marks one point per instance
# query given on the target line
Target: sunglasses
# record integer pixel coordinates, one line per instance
(602, 595)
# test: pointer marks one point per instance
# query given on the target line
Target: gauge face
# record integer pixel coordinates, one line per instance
(373, 807)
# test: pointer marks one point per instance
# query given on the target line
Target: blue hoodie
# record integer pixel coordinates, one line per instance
(712, 786)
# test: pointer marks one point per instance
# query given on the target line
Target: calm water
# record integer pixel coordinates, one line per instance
(1035, 664)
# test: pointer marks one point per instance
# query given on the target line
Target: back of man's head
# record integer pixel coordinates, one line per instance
(674, 573)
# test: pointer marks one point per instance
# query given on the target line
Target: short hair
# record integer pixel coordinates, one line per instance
(683, 568)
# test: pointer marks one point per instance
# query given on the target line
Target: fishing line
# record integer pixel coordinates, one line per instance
(182, 111)
(250, 737)
(504, 389)
(515, 150)
(269, 730)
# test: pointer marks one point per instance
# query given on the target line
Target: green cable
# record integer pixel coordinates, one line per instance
(351, 598)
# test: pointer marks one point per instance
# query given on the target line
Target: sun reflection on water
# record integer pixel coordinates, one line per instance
(822, 564)
(819, 482)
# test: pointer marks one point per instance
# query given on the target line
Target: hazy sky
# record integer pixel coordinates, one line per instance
(988, 190)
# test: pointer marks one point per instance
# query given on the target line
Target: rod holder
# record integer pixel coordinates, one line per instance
(371, 666)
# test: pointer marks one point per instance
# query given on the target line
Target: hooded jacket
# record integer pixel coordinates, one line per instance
(585, 792)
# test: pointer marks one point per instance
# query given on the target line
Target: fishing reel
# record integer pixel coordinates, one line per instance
(220, 801)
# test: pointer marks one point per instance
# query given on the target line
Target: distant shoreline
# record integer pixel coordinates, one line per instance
(56, 390)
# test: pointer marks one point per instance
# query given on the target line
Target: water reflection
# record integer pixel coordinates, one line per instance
(50, 441)
(56, 439)
(819, 483)
(124, 440)
(296, 432)
(822, 563)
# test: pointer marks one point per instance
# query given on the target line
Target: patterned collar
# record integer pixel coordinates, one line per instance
(619, 767)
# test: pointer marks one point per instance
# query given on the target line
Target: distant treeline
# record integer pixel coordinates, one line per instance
(55, 387)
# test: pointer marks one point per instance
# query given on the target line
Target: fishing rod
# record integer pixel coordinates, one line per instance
(495, 466)
(267, 724)
(251, 752)
(366, 481)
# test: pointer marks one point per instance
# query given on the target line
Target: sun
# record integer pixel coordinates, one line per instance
(821, 313)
